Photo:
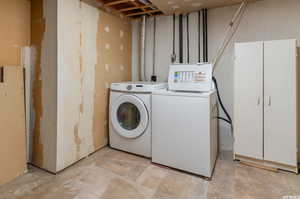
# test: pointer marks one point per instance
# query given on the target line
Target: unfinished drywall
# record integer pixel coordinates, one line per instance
(114, 65)
(77, 58)
(94, 49)
(44, 64)
(12, 126)
(263, 20)
(15, 20)
(75, 55)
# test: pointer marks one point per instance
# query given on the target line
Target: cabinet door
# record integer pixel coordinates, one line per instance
(248, 100)
(280, 126)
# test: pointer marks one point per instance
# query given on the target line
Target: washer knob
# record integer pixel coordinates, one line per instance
(129, 87)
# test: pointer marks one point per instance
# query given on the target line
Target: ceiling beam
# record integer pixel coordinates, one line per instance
(117, 2)
(133, 8)
(144, 12)
(136, 4)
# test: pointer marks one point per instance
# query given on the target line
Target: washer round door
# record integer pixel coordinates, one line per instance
(129, 116)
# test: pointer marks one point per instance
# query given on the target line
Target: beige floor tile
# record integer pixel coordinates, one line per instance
(111, 174)
(119, 188)
(152, 177)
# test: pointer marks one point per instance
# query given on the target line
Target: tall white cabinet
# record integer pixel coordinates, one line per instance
(265, 104)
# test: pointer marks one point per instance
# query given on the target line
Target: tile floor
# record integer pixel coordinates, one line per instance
(110, 174)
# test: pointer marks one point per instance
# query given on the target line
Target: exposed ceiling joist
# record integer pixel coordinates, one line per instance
(131, 8)
(142, 13)
(116, 2)
(137, 5)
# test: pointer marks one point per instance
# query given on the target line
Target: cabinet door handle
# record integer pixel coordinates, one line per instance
(258, 101)
(269, 101)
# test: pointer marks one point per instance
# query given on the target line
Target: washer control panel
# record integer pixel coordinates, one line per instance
(190, 77)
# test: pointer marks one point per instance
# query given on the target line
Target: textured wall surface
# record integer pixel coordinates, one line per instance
(114, 65)
(77, 51)
(15, 30)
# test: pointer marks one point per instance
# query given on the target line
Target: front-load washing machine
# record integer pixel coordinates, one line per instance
(130, 116)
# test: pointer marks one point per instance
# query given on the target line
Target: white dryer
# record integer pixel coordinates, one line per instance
(130, 116)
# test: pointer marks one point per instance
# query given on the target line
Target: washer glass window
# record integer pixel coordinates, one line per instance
(129, 116)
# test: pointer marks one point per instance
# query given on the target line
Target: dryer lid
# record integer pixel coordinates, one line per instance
(129, 116)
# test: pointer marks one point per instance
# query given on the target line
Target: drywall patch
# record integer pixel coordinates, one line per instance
(106, 28)
(107, 46)
(106, 67)
(122, 67)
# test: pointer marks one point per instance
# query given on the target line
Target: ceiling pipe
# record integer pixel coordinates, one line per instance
(205, 39)
(154, 77)
(143, 49)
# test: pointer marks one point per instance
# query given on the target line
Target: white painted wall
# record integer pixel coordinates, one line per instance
(263, 20)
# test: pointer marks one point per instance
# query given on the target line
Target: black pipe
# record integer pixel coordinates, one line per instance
(173, 57)
(205, 46)
(228, 119)
(188, 37)
(180, 39)
(199, 36)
